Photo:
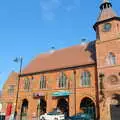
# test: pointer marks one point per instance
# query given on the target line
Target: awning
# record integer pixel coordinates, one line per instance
(61, 93)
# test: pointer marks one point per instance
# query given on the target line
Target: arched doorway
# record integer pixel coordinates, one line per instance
(24, 109)
(41, 108)
(63, 106)
(115, 107)
(88, 107)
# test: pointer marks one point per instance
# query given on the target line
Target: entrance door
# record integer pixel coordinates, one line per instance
(24, 110)
(63, 106)
(115, 109)
(115, 112)
(42, 106)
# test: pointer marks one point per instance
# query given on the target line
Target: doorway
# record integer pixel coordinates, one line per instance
(88, 107)
(24, 110)
(63, 105)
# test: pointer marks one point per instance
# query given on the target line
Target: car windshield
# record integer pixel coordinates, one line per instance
(55, 112)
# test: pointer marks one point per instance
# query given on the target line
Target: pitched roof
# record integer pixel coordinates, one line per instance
(11, 80)
(64, 58)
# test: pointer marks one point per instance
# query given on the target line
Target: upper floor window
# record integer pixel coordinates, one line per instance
(62, 80)
(111, 59)
(26, 83)
(42, 82)
(85, 79)
(11, 89)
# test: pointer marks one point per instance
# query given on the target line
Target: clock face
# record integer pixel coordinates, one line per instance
(106, 27)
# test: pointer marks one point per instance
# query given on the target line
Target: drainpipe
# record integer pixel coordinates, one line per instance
(75, 90)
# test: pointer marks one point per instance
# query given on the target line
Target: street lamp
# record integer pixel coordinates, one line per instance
(18, 60)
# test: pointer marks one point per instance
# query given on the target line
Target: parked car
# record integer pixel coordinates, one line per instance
(2, 116)
(54, 115)
(81, 116)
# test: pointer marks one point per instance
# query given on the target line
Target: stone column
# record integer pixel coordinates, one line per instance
(108, 103)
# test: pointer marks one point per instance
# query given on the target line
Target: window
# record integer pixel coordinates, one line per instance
(62, 80)
(11, 90)
(42, 82)
(26, 83)
(85, 79)
(111, 59)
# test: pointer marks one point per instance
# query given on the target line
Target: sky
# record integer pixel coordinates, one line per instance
(31, 27)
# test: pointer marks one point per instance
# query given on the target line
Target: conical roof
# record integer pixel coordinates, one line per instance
(106, 11)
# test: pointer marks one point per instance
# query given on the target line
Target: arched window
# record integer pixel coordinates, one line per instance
(111, 59)
(26, 83)
(42, 82)
(85, 79)
(62, 80)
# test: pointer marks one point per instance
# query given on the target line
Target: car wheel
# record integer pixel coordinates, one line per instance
(43, 118)
(55, 118)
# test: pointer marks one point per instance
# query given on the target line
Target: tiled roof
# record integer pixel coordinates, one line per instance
(64, 58)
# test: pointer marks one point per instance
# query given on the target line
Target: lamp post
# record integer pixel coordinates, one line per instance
(18, 60)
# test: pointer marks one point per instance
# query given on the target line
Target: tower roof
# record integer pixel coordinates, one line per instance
(106, 11)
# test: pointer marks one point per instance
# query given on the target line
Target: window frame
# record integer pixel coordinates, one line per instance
(42, 84)
(11, 90)
(111, 58)
(85, 79)
(62, 80)
(26, 83)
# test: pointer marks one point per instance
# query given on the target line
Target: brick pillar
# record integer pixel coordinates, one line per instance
(49, 102)
(71, 105)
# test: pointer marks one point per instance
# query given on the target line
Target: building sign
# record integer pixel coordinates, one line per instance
(38, 95)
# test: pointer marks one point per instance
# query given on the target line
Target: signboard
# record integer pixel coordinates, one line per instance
(38, 95)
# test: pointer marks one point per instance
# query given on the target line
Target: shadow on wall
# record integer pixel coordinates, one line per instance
(91, 48)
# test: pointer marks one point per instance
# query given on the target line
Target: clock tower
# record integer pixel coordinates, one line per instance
(107, 30)
(107, 26)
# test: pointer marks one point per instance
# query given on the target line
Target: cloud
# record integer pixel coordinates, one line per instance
(49, 7)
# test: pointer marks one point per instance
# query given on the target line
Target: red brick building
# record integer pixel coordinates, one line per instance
(8, 94)
(81, 78)
(108, 61)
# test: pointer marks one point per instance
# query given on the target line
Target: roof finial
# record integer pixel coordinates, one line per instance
(104, 1)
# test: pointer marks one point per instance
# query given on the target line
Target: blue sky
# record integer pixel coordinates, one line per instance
(31, 27)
